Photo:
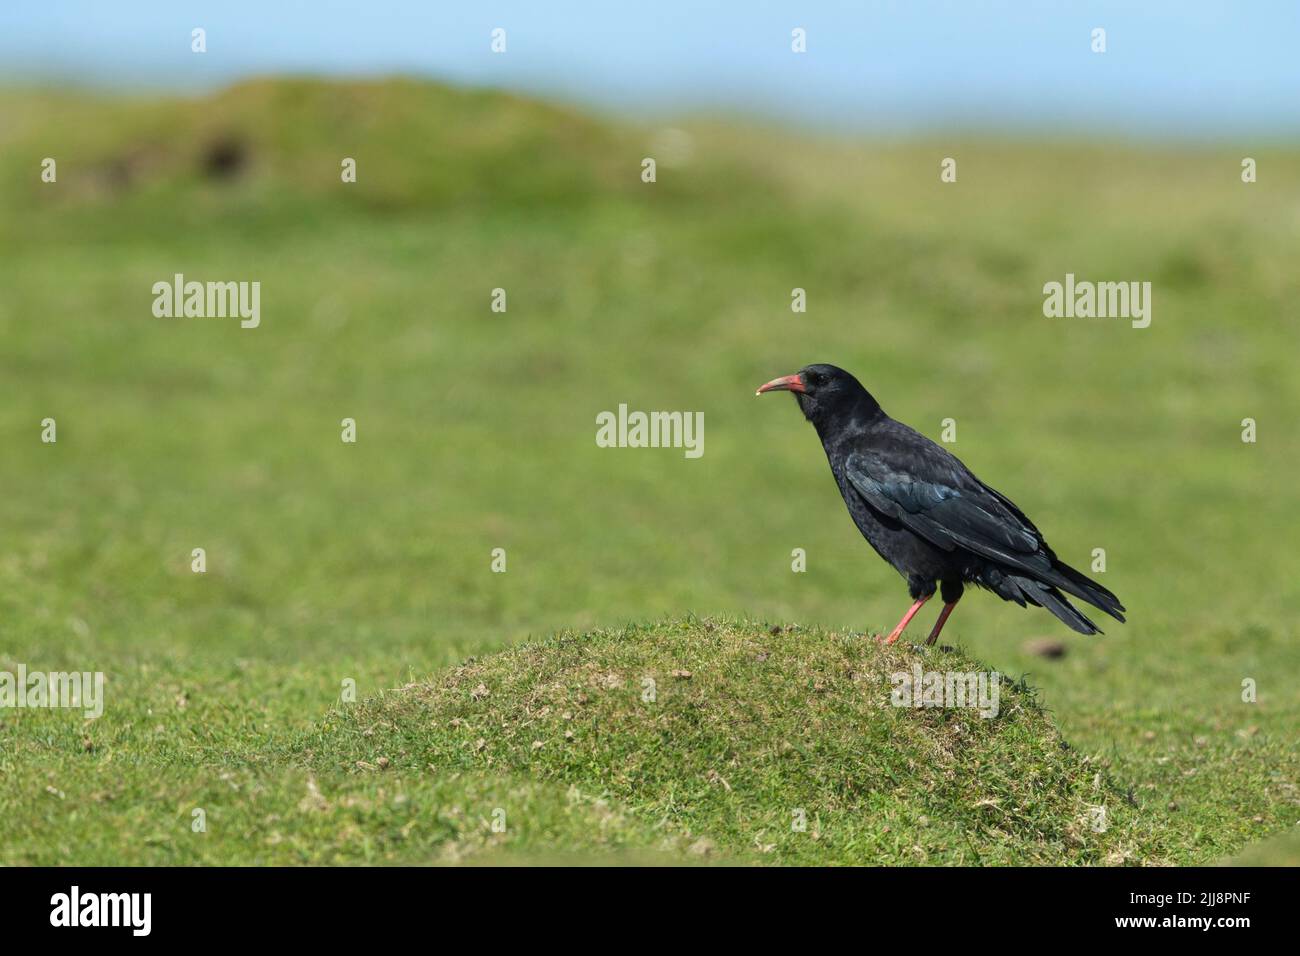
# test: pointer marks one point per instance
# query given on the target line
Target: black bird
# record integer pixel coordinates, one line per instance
(925, 512)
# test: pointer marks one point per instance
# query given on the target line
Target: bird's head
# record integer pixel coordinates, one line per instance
(824, 393)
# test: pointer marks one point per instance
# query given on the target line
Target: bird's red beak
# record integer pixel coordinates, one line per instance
(786, 383)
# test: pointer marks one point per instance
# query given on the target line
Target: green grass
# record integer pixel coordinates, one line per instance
(370, 562)
(686, 741)
(1282, 850)
(762, 743)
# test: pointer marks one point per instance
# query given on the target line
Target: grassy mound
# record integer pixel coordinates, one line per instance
(728, 736)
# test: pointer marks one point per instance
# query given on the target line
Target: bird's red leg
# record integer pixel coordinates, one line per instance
(907, 618)
(938, 625)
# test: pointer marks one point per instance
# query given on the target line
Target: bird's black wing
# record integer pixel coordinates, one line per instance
(909, 478)
(936, 497)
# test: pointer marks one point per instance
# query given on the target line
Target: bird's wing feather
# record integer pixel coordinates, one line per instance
(938, 499)
(907, 477)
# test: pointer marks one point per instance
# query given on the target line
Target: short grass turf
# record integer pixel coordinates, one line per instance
(370, 564)
(759, 743)
(685, 741)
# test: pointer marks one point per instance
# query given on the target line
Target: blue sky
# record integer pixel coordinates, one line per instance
(1200, 69)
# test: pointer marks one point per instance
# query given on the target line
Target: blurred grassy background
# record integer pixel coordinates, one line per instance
(476, 429)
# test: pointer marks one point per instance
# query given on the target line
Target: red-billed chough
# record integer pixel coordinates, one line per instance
(925, 512)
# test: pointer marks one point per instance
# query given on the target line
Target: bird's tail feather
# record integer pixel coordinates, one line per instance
(1056, 602)
(1086, 589)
